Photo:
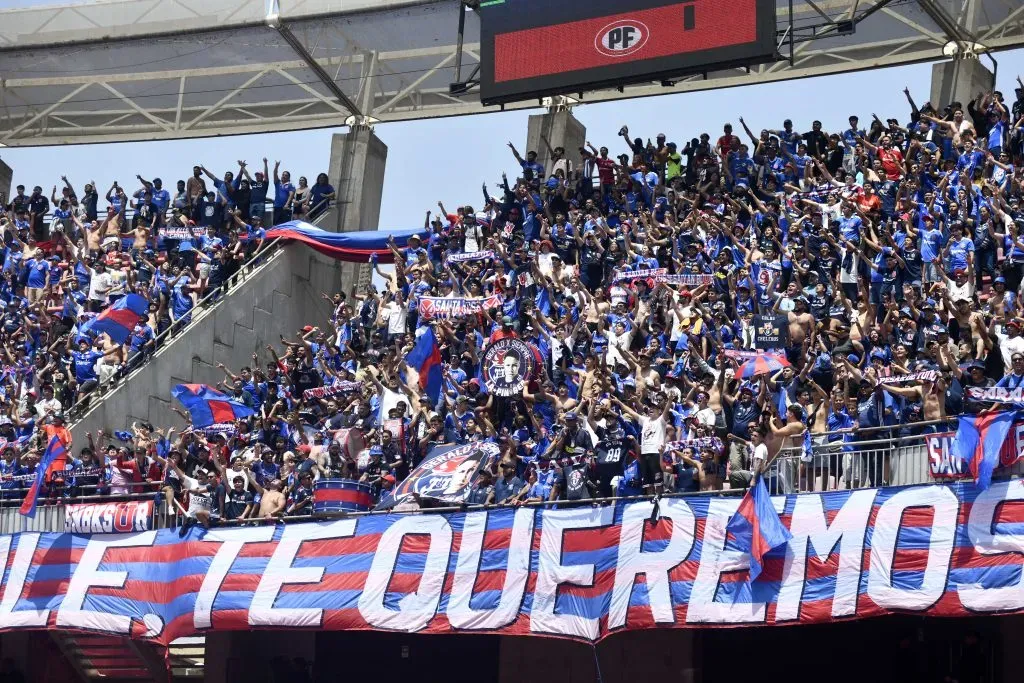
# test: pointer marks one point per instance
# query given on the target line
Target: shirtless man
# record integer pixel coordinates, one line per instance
(801, 323)
(272, 500)
(932, 396)
(785, 440)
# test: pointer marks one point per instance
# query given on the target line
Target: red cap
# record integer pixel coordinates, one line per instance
(389, 478)
(304, 448)
(307, 328)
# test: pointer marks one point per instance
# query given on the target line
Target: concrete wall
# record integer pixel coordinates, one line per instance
(358, 161)
(561, 129)
(280, 298)
(959, 80)
(6, 177)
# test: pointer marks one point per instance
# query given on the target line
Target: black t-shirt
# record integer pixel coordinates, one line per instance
(89, 200)
(146, 213)
(610, 455)
(235, 503)
(743, 414)
(574, 482)
(577, 443)
(304, 377)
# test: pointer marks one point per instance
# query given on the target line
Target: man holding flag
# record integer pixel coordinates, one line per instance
(54, 459)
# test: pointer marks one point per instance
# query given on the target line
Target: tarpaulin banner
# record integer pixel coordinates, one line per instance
(997, 395)
(687, 279)
(446, 474)
(181, 232)
(109, 518)
(637, 274)
(444, 308)
(943, 463)
(910, 378)
(339, 387)
(581, 573)
(484, 255)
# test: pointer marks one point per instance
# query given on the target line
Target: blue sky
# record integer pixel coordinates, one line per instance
(447, 159)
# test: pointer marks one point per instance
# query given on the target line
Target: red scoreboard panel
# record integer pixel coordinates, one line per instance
(532, 48)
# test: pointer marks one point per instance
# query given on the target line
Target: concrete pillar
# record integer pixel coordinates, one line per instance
(356, 170)
(959, 80)
(561, 129)
(6, 176)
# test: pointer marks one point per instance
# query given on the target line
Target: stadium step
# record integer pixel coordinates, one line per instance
(187, 658)
(121, 660)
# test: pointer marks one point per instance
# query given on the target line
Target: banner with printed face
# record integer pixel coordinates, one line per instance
(109, 518)
(447, 474)
(582, 573)
(944, 464)
(508, 364)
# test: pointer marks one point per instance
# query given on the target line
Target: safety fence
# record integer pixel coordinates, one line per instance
(253, 265)
(878, 458)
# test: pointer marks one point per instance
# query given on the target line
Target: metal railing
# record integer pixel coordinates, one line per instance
(205, 306)
(257, 262)
(876, 461)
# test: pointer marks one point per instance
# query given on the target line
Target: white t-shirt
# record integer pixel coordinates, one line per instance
(396, 316)
(99, 285)
(760, 456)
(652, 434)
(197, 501)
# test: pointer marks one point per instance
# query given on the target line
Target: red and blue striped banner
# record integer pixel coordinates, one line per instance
(581, 573)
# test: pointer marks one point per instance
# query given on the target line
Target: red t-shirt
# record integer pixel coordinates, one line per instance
(892, 162)
(606, 170)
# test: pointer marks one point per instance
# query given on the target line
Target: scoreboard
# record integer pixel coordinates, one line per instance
(533, 48)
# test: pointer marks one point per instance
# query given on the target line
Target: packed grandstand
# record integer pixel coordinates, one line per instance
(664, 317)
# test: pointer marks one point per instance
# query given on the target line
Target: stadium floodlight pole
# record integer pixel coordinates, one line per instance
(273, 20)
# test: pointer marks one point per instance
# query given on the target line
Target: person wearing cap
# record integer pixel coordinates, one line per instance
(1011, 343)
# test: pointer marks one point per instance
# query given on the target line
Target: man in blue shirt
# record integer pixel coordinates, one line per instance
(284, 193)
(531, 169)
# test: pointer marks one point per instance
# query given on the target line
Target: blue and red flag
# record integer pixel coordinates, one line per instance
(757, 527)
(54, 459)
(208, 406)
(356, 247)
(425, 359)
(764, 364)
(979, 439)
(118, 321)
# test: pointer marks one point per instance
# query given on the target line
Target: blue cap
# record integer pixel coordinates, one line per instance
(929, 303)
(853, 358)
(998, 280)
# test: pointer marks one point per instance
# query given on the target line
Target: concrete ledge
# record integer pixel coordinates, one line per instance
(280, 298)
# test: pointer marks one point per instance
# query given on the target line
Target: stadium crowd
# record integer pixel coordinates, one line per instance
(881, 265)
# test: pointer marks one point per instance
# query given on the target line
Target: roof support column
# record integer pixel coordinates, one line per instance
(358, 160)
(561, 129)
(6, 177)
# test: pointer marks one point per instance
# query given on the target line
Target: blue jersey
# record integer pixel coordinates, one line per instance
(84, 362)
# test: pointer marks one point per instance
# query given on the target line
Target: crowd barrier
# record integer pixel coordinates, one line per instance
(249, 268)
(875, 461)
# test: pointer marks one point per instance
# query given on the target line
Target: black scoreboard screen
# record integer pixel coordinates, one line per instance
(532, 48)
